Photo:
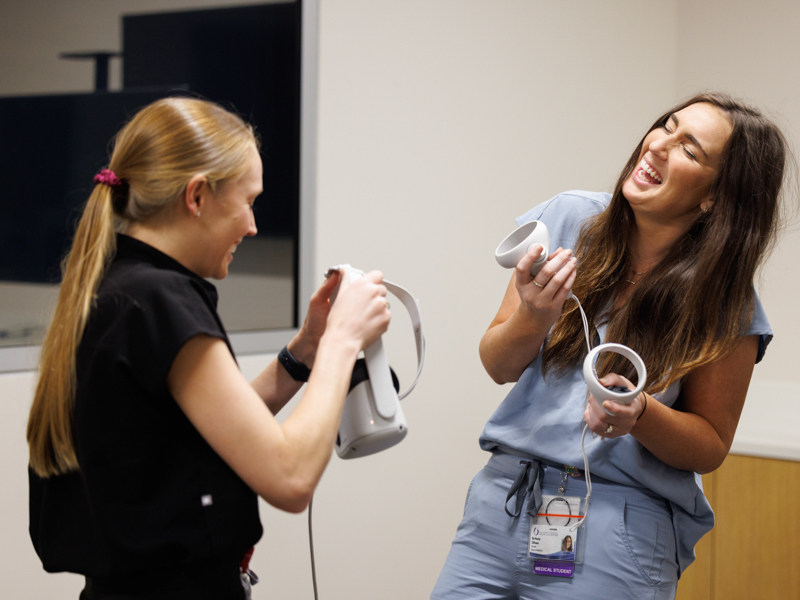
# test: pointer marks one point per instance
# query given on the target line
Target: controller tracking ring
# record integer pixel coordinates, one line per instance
(598, 390)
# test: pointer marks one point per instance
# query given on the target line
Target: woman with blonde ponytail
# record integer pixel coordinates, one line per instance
(148, 448)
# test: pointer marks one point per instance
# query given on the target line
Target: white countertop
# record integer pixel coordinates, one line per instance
(770, 423)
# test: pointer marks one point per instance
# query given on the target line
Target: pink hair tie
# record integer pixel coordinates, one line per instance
(108, 177)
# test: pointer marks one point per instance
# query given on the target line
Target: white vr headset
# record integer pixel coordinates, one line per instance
(372, 419)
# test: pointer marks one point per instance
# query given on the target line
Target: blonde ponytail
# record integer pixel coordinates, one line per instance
(52, 450)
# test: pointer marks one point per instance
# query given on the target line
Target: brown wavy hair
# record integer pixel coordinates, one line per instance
(689, 309)
(155, 155)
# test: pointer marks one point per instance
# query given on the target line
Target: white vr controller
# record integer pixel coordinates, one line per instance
(508, 254)
(372, 418)
(519, 242)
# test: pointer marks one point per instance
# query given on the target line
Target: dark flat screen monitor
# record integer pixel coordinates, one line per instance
(246, 58)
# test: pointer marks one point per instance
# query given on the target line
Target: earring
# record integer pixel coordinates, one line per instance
(704, 210)
(197, 214)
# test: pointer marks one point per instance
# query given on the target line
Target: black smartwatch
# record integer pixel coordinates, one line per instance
(297, 370)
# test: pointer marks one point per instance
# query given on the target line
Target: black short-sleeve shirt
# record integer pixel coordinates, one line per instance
(150, 492)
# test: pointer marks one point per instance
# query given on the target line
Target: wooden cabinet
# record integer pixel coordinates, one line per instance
(753, 552)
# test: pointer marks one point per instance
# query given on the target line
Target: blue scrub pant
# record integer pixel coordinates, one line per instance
(629, 551)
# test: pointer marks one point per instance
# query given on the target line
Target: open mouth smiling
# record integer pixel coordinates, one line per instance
(647, 174)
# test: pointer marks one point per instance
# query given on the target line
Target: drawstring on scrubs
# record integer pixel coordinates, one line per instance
(528, 482)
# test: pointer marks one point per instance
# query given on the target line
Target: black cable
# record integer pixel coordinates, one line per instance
(311, 546)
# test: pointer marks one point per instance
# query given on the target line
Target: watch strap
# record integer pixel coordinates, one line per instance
(297, 370)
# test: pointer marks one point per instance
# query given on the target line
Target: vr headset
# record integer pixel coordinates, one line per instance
(372, 419)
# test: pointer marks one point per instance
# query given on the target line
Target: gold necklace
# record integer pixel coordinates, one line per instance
(635, 273)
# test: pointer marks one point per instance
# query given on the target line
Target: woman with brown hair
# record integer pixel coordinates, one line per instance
(148, 447)
(664, 265)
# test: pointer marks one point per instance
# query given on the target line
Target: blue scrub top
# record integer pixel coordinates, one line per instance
(543, 417)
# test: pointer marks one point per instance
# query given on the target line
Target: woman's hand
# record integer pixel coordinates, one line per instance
(361, 311)
(304, 345)
(623, 417)
(542, 297)
(529, 309)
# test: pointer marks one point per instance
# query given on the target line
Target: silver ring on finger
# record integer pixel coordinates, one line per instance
(537, 284)
(609, 430)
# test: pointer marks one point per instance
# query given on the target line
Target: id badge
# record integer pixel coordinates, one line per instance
(552, 545)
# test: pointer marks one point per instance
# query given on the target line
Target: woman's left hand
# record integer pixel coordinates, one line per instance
(624, 416)
(304, 345)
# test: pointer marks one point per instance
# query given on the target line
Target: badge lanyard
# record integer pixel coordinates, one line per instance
(555, 549)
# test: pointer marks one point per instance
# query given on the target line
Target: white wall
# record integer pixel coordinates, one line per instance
(748, 48)
(440, 121)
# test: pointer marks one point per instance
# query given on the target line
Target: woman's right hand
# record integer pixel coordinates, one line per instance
(529, 309)
(361, 311)
(542, 297)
